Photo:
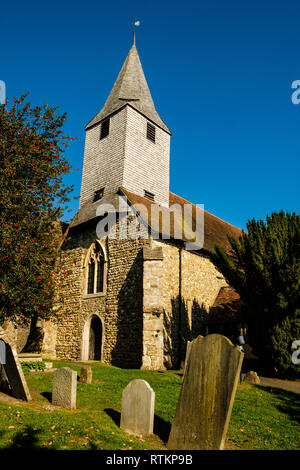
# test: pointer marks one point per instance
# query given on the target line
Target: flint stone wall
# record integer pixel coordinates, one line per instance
(119, 307)
(186, 299)
(148, 310)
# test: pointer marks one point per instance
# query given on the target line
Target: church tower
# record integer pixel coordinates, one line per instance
(127, 143)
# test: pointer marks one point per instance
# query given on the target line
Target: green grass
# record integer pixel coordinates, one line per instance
(262, 417)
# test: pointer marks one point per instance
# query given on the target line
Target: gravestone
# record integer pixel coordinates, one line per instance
(86, 375)
(137, 416)
(251, 377)
(64, 387)
(2, 352)
(12, 378)
(207, 395)
(188, 348)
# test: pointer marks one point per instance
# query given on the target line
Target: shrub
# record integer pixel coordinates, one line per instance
(263, 267)
(282, 338)
(32, 365)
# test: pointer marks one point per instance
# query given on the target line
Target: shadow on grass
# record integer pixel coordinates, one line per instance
(161, 427)
(114, 415)
(47, 395)
(25, 440)
(289, 401)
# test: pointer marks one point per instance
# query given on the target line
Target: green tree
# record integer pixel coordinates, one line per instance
(263, 266)
(32, 200)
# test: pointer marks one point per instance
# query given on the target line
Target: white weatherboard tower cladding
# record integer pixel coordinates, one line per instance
(126, 157)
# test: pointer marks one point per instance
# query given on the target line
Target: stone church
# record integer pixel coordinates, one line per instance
(133, 301)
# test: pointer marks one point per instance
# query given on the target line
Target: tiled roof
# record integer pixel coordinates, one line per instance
(88, 211)
(215, 229)
(227, 306)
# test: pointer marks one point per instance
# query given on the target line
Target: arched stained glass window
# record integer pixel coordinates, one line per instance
(96, 265)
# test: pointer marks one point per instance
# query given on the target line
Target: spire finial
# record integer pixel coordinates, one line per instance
(136, 23)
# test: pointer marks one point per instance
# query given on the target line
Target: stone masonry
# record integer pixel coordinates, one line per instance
(119, 306)
(151, 307)
(153, 338)
(190, 284)
(155, 295)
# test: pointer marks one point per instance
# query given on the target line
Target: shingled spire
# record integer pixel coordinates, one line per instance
(127, 143)
(131, 88)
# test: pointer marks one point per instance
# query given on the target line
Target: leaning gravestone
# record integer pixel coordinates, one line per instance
(188, 348)
(137, 416)
(2, 352)
(64, 387)
(12, 378)
(86, 375)
(207, 395)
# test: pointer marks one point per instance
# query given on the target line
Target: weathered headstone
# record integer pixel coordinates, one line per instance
(86, 375)
(137, 416)
(207, 395)
(188, 348)
(12, 376)
(251, 377)
(64, 387)
(2, 352)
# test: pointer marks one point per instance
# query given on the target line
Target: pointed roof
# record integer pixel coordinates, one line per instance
(131, 88)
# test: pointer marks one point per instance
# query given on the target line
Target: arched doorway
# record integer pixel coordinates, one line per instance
(95, 340)
(92, 339)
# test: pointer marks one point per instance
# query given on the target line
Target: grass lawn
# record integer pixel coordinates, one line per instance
(263, 418)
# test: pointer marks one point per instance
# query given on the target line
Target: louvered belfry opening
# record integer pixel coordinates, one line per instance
(149, 195)
(150, 132)
(104, 129)
(98, 194)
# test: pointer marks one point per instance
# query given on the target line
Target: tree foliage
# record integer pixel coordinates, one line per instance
(263, 266)
(32, 199)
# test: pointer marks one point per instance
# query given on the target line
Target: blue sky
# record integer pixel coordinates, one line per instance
(220, 74)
